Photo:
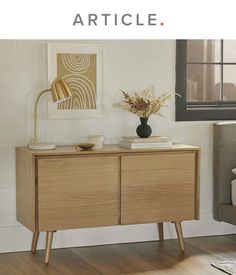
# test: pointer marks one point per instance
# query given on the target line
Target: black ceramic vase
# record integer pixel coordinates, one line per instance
(144, 130)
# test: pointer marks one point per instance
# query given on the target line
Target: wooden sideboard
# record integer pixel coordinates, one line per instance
(65, 188)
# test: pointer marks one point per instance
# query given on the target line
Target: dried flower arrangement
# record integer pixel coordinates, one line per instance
(145, 103)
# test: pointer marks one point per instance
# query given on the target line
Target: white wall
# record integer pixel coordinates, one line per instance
(127, 65)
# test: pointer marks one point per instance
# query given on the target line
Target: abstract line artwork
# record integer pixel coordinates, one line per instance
(81, 66)
(80, 72)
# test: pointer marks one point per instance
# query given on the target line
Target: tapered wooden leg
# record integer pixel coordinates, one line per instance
(179, 232)
(34, 242)
(161, 231)
(49, 238)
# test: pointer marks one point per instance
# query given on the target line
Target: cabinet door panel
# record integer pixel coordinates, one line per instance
(159, 187)
(77, 192)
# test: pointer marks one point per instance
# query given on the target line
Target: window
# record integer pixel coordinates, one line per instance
(206, 79)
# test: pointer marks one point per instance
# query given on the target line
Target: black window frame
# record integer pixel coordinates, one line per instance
(185, 111)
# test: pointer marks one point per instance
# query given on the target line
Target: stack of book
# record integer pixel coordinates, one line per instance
(150, 142)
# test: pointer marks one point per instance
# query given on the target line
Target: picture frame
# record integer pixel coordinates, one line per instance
(80, 65)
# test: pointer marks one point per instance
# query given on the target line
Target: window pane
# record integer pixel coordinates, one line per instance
(229, 54)
(229, 86)
(203, 51)
(203, 82)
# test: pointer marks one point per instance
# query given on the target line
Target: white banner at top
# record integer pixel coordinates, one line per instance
(123, 19)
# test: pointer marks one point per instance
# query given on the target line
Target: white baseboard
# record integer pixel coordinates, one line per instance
(18, 238)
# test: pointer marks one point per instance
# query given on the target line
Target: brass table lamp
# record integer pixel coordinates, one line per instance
(60, 91)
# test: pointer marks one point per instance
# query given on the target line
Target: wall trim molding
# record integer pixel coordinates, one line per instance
(109, 235)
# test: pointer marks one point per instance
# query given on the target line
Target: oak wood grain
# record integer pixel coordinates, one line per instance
(197, 184)
(77, 192)
(107, 149)
(158, 188)
(66, 188)
(25, 188)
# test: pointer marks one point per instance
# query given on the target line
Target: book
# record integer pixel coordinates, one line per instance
(132, 145)
(145, 140)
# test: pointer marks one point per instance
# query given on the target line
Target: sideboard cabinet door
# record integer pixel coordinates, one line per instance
(158, 187)
(76, 192)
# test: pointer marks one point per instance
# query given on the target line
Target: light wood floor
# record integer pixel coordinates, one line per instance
(148, 258)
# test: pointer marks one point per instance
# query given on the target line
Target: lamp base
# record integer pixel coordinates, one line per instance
(41, 146)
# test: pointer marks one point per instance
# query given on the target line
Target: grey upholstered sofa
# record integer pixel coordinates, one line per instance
(224, 160)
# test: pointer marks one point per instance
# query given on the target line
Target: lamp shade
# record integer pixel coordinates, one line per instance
(60, 90)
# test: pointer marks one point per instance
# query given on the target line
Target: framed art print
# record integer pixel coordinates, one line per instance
(80, 65)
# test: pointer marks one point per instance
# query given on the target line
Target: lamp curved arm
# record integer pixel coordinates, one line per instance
(35, 139)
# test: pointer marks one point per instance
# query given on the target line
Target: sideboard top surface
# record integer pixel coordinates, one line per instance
(107, 149)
